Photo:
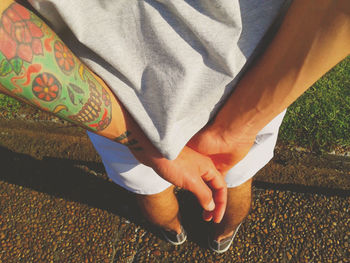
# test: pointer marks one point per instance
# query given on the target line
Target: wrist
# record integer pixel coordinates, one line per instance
(237, 125)
(249, 109)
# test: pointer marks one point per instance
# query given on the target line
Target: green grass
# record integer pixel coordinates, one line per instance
(8, 105)
(319, 120)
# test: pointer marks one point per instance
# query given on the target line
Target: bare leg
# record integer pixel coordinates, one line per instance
(238, 205)
(161, 209)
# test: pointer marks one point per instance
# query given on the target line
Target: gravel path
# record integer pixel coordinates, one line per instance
(283, 226)
(55, 207)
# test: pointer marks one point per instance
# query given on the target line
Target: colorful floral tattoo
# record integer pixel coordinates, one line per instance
(38, 67)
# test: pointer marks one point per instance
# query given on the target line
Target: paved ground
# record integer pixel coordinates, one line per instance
(57, 205)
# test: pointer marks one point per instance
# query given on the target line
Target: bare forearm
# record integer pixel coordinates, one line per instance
(313, 38)
(37, 68)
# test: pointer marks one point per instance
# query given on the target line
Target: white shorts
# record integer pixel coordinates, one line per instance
(126, 171)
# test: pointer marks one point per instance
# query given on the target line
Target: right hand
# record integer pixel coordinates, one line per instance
(190, 170)
(196, 173)
(224, 151)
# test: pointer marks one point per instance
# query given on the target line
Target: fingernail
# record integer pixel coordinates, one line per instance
(211, 205)
(204, 216)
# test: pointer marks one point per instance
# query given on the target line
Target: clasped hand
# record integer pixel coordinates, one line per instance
(202, 165)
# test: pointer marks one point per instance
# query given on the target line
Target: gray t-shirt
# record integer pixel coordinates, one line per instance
(172, 63)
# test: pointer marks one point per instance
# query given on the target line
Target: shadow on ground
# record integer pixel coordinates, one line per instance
(86, 183)
(79, 181)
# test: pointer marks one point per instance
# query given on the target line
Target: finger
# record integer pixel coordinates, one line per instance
(207, 215)
(220, 199)
(219, 189)
(201, 190)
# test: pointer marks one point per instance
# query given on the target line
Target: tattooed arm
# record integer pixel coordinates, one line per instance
(37, 68)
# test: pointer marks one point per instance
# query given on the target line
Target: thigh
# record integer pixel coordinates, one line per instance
(123, 169)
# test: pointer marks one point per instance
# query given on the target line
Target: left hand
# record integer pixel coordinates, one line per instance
(225, 150)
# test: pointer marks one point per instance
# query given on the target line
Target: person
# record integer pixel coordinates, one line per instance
(172, 89)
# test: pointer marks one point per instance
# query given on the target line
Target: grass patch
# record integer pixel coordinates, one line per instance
(320, 119)
(8, 105)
